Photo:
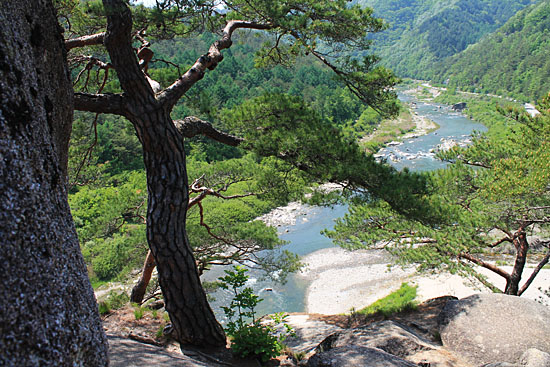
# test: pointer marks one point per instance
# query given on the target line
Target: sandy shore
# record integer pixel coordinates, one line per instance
(343, 280)
(423, 126)
(284, 215)
(287, 215)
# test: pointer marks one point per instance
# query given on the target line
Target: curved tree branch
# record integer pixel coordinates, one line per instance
(486, 265)
(170, 96)
(543, 262)
(99, 103)
(192, 126)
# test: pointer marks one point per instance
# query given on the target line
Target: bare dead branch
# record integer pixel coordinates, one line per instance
(499, 242)
(192, 126)
(87, 154)
(168, 63)
(208, 229)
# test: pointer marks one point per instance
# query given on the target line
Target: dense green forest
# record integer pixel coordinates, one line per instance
(423, 32)
(511, 61)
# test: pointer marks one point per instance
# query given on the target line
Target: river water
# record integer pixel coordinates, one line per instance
(304, 237)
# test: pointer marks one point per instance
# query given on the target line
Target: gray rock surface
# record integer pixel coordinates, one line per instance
(383, 343)
(389, 336)
(489, 328)
(535, 358)
(128, 353)
(354, 355)
(309, 332)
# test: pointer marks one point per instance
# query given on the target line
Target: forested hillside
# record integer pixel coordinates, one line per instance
(514, 59)
(423, 32)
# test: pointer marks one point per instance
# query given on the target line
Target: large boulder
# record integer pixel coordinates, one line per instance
(535, 358)
(531, 358)
(488, 328)
(459, 106)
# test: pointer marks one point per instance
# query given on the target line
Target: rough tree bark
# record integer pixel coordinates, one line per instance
(48, 313)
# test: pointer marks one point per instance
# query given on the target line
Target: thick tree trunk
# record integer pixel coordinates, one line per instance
(522, 247)
(168, 197)
(138, 291)
(48, 313)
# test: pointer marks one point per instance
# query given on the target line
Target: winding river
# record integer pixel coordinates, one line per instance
(304, 237)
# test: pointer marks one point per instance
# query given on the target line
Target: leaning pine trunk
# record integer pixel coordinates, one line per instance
(168, 197)
(522, 246)
(138, 291)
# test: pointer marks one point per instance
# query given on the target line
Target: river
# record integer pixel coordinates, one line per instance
(304, 237)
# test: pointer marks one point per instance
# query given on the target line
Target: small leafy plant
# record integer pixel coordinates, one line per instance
(138, 312)
(113, 301)
(249, 336)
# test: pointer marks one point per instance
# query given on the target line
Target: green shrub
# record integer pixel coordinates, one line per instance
(113, 301)
(263, 340)
(117, 299)
(103, 308)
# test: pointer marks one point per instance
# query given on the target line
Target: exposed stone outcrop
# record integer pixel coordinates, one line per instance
(389, 336)
(490, 328)
(535, 358)
(309, 332)
(532, 358)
